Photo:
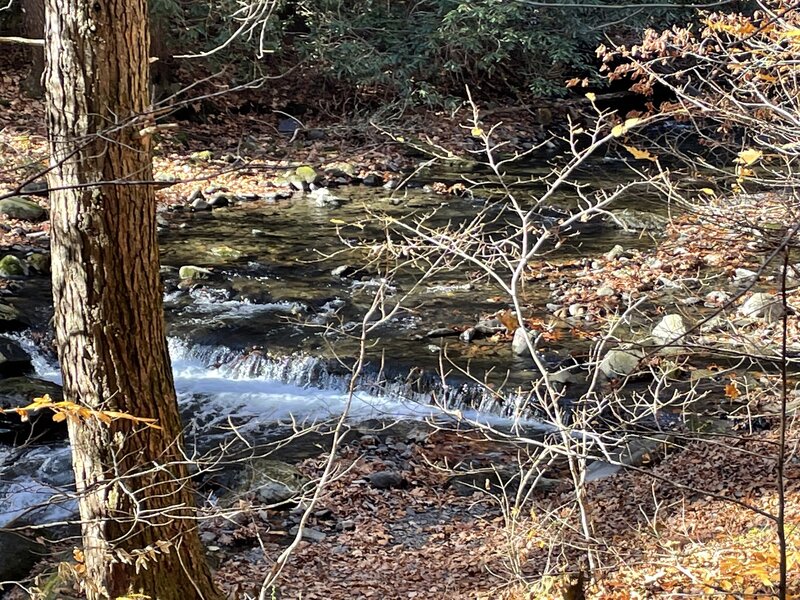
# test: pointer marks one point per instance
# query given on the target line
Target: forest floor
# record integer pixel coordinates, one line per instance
(694, 521)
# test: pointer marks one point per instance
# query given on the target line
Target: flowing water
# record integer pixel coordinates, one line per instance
(269, 339)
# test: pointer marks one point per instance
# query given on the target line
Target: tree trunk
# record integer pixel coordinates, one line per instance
(136, 501)
(33, 26)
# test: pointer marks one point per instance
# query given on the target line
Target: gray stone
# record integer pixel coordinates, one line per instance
(11, 266)
(36, 188)
(345, 525)
(325, 199)
(621, 361)
(197, 194)
(288, 125)
(272, 482)
(439, 332)
(373, 180)
(615, 252)
(576, 310)
(468, 335)
(384, 480)
(668, 330)
(22, 208)
(199, 205)
(744, 275)
(519, 344)
(219, 201)
(605, 291)
(342, 271)
(310, 534)
(194, 273)
(762, 306)
(716, 298)
(340, 169)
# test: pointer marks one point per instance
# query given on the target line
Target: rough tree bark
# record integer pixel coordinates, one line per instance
(33, 26)
(136, 499)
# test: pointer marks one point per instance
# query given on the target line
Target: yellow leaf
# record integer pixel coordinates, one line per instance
(640, 154)
(338, 222)
(791, 33)
(476, 132)
(591, 96)
(59, 416)
(749, 156)
(623, 128)
(708, 191)
(743, 172)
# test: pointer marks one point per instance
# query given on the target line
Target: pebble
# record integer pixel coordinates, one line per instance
(384, 480)
(605, 291)
(346, 525)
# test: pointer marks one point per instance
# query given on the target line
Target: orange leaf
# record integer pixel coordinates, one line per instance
(732, 391)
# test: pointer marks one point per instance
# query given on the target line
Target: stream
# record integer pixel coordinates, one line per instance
(268, 338)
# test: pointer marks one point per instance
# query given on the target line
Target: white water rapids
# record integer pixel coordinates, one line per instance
(215, 385)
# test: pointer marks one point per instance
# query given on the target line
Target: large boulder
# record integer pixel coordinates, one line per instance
(12, 319)
(22, 208)
(16, 392)
(20, 553)
(14, 361)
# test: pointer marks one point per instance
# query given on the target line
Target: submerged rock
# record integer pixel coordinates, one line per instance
(17, 392)
(639, 220)
(225, 251)
(325, 199)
